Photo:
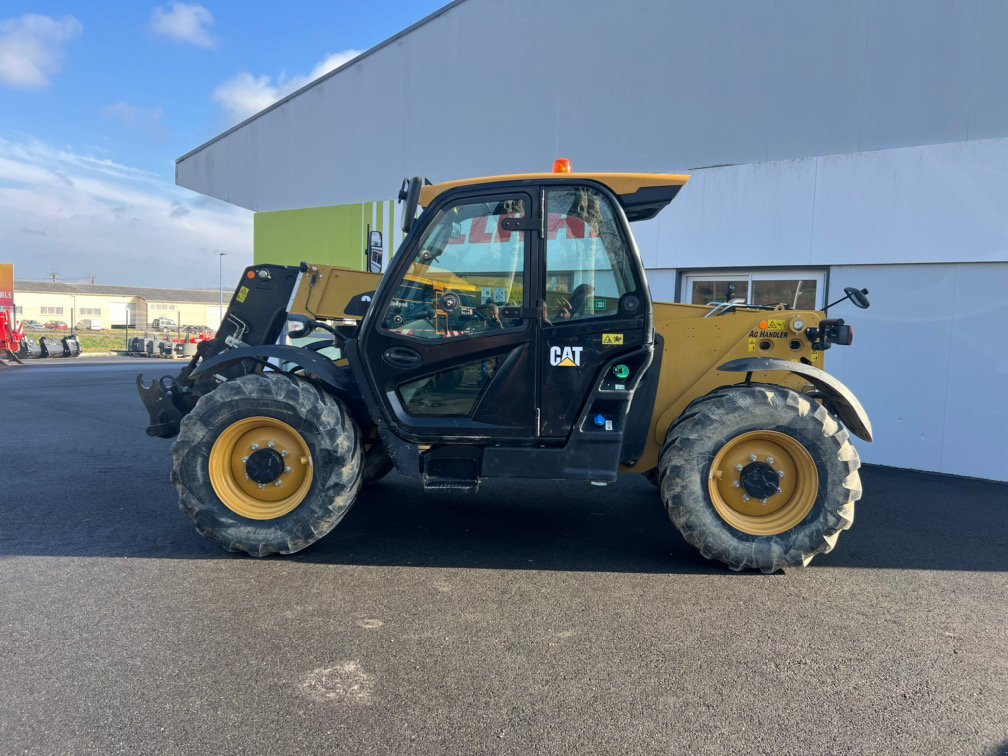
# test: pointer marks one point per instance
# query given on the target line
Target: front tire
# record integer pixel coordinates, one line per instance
(267, 464)
(759, 476)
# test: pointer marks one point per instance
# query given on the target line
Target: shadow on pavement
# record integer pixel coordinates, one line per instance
(82, 479)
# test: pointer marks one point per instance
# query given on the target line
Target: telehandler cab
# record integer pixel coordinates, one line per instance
(513, 335)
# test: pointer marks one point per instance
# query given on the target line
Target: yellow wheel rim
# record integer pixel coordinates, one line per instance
(763, 482)
(279, 477)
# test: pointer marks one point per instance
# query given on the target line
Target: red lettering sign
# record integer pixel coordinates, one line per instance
(6, 285)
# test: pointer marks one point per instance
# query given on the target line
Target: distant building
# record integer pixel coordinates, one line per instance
(114, 306)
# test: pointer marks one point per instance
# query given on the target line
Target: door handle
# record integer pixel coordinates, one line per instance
(402, 357)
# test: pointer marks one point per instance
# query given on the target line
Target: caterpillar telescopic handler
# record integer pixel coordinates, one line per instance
(513, 335)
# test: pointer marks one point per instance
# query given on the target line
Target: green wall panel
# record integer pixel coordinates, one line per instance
(330, 235)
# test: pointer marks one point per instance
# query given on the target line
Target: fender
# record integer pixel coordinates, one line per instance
(839, 398)
(339, 379)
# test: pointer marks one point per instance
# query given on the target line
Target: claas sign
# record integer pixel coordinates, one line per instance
(6, 285)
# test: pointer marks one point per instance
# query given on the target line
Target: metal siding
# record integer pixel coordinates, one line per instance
(919, 72)
(925, 365)
(937, 203)
(658, 86)
(817, 77)
(988, 110)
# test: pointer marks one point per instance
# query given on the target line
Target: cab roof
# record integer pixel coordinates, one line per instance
(642, 195)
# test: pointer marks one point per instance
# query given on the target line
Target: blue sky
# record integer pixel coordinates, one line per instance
(97, 99)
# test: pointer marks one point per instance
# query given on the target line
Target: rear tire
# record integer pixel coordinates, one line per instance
(315, 426)
(698, 477)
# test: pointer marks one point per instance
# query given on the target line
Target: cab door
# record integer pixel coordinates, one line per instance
(452, 355)
(596, 331)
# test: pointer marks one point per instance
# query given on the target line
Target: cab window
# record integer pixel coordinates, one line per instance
(467, 272)
(587, 259)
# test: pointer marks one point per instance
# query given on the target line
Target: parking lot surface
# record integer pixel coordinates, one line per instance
(531, 617)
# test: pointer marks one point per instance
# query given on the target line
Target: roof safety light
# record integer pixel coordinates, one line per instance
(562, 165)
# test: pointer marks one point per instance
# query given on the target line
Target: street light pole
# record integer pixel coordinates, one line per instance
(220, 270)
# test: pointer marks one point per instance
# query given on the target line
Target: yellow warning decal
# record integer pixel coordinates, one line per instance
(773, 325)
(752, 345)
(612, 339)
(243, 292)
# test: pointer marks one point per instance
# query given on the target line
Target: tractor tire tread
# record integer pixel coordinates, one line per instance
(324, 424)
(693, 440)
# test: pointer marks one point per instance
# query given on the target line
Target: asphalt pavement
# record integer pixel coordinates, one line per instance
(532, 617)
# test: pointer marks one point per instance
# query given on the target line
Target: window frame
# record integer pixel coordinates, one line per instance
(821, 276)
(630, 251)
(526, 273)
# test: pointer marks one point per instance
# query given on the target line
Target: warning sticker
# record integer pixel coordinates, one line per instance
(752, 345)
(243, 293)
(612, 339)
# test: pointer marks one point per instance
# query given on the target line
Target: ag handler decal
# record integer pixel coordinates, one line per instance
(565, 356)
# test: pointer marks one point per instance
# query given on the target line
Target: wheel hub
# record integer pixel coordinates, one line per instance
(260, 468)
(264, 466)
(763, 482)
(759, 480)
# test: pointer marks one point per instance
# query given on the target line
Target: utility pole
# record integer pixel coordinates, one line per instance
(220, 272)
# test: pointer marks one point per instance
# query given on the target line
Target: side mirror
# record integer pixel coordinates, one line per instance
(409, 195)
(375, 252)
(858, 296)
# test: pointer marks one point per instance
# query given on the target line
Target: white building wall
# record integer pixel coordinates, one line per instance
(933, 203)
(929, 364)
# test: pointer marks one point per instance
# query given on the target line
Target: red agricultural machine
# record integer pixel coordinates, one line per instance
(11, 338)
(14, 345)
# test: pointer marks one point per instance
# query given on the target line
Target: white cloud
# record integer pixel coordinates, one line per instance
(184, 22)
(32, 49)
(146, 120)
(84, 215)
(244, 94)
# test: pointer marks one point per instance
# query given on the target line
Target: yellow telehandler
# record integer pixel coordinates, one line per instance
(513, 335)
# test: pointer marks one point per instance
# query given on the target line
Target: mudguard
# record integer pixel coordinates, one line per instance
(839, 398)
(339, 379)
(325, 370)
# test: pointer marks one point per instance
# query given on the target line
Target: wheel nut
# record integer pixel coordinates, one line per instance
(738, 467)
(779, 490)
(271, 444)
(734, 484)
(752, 457)
(745, 497)
(278, 483)
(287, 470)
(244, 459)
(780, 473)
(262, 486)
(763, 501)
(255, 447)
(284, 453)
(769, 460)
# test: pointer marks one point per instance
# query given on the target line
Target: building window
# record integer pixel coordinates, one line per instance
(798, 289)
(52, 310)
(162, 307)
(86, 311)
